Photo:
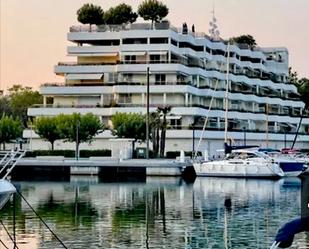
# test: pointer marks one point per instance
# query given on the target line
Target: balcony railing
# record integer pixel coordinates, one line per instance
(138, 105)
(135, 26)
(184, 62)
(135, 83)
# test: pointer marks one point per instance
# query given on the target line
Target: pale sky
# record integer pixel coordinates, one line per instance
(33, 32)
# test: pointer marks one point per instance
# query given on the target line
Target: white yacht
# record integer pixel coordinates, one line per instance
(290, 165)
(241, 163)
(6, 190)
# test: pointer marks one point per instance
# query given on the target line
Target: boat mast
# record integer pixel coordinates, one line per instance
(227, 91)
(267, 131)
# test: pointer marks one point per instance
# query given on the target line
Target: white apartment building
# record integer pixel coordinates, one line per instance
(109, 75)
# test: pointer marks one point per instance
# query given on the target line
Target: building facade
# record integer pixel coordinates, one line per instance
(187, 72)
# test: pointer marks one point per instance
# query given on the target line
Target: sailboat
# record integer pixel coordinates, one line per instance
(6, 190)
(240, 161)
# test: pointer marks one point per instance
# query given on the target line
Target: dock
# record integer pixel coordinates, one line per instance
(102, 166)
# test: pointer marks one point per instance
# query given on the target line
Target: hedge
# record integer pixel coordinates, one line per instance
(174, 154)
(69, 153)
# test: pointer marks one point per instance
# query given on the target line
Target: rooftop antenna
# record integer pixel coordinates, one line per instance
(213, 31)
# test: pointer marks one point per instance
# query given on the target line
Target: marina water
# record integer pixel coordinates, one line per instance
(155, 213)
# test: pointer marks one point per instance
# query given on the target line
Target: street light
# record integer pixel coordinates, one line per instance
(245, 138)
(77, 140)
(147, 117)
(285, 138)
(193, 138)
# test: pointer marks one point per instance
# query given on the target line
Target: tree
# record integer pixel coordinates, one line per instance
(129, 125)
(164, 110)
(21, 98)
(244, 39)
(303, 90)
(78, 128)
(46, 128)
(152, 10)
(293, 77)
(121, 14)
(5, 107)
(91, 14)
(10, 129)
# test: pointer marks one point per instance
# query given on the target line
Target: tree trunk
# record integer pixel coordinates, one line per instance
(163, 135)
(52, 144)
(77, 151)
(157, 139)
(3, 145)
(153, 140)
(133, 148)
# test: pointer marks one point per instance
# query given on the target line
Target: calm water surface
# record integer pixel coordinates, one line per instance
(158, 213)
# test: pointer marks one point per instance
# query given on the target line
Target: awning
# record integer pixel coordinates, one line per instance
(157, 52)
(171, 117)
(287, 125)
(94, 54)
(137, 53)
(84, 76)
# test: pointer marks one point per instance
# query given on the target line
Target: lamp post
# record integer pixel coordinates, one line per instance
(77, 140)
(147, 117)
(284, 138)
(245, 137)
(193, 138)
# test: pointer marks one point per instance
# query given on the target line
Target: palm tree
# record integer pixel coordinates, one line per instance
(155, 131)
(164, 110)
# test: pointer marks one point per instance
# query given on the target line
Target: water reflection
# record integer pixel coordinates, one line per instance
(158, 213)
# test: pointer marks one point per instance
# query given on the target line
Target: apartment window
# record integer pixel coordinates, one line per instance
(198, 48)
(173, 42)
(112, 77)
(154, 58)
(159, 40)
(128, 77)
(125, 98)
(130, 59)
(134, 41)
(218, 52)
(176, 124)
(193, 47)
(109, 42)
(160, 79)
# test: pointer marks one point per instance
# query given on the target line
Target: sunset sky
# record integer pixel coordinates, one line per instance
(33, 32)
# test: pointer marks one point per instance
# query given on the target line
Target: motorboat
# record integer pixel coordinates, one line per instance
(290, 165)
(7, 163)
(6, 190)
(241, 163)
(287, 232)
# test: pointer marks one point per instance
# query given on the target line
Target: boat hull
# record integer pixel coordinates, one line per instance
(238, 169)
(6, 190)
(292, 168)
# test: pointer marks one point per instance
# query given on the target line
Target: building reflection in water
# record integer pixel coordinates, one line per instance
(158, 213)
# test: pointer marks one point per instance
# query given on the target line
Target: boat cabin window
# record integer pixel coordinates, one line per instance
(241, 155)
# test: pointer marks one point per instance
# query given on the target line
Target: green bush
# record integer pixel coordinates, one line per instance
(69, 153)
